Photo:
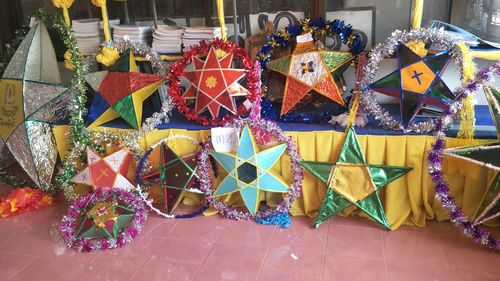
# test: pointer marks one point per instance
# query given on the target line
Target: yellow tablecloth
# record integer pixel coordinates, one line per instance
(408, 200)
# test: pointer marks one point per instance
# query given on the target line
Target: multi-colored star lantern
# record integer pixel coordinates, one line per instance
(487, 155)
(105, 219)
(351, 181)
(312, 70)
(214, 84)
(250, 171)
(416, 82)
(120, 92)
(32, 97)
(176, 175)
(107, 172)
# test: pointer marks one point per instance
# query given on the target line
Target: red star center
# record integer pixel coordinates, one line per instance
(103, 175)
(210, 80)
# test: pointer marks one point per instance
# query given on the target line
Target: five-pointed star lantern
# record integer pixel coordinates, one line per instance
(312, 70)
(487, 155)
(107, 172)
(176, 175)
(351, 181)
(214, 84)
(249, 171)
(31, 97)
(105, 219)
(416, 82)
(120, 92)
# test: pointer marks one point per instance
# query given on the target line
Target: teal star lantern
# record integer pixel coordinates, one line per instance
(249, 171)
(351, 181)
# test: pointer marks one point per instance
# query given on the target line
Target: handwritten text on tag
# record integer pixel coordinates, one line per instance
(225, 139)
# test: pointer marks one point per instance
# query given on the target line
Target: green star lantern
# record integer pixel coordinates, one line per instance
(351, 181)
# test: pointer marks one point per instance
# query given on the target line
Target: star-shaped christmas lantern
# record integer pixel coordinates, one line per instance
(250, 171)
(32, 97)
(416, 82)
(176, 175)
(311, 70)
(105, 219)
(120, 92)
(107, 172)
(351, 181)
(214, 84)
(487, 155)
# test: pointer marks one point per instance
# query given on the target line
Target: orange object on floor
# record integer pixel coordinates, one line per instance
(21, 200)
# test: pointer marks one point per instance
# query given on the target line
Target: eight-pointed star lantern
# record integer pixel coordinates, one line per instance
(250, 171)
(31, 98)
(214, 84)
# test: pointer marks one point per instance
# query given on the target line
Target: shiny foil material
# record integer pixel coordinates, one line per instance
(352, 181)
(43, 151)
(38, 99)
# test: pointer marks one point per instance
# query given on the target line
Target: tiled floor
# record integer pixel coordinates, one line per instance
(213, 248)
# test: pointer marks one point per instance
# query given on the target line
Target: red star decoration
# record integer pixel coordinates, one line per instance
(210, 81)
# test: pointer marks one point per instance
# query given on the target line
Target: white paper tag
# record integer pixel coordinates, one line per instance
(304, 38)
(247, 104)
(225, 139)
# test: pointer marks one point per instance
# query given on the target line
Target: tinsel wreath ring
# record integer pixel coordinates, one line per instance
(177, 69)
(82, 137)
(435, 161)
(284, 38)
(265, 127)
(80, 210)
(142, 168)
(386, 49)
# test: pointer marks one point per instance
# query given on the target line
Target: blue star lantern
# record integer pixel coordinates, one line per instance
(249, 171)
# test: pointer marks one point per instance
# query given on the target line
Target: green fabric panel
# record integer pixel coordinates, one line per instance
(382, 175)
(321, 170)
(281, 64)
(125, 108)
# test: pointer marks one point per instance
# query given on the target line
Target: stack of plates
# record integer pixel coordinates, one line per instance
(193, 35)
(87, 35)
(139, 32)
(168, 39)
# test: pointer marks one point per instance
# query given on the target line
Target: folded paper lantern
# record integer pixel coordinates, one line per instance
(107, 172)
(308, 69)
(105, 219)
(120, 92)
(31, 97)
(416, 82)
(214, 84)
(249, 171)
(351, 181)
(176, 176)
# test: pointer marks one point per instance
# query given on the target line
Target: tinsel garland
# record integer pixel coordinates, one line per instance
(98, 139)
(10, 179)
(178, 68)
(258, 126)
(70, 221)
(283, 38)
(435, 161)
(386, 49)
(143, 167)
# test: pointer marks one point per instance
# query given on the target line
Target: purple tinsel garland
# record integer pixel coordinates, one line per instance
(297, 173)
(435, 162)
(69, 223)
